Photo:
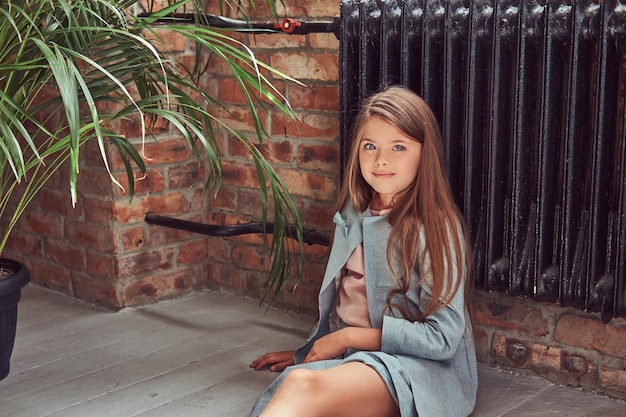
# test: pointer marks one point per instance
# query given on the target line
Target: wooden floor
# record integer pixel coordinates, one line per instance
(184, 357)
(189, 357)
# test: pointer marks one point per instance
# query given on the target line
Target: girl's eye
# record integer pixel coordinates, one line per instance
(399, 148)
(369, 147)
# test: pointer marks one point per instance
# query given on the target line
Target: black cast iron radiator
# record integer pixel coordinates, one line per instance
(530, 99)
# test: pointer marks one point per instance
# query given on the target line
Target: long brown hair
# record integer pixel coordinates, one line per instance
(425, 206)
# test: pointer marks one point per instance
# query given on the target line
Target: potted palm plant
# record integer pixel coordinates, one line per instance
(70, 70)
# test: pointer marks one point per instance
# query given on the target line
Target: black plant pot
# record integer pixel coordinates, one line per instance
(10, 293)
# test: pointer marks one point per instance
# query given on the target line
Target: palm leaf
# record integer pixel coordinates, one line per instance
(107, 66)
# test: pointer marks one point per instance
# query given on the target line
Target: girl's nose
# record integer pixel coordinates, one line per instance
(380, 159)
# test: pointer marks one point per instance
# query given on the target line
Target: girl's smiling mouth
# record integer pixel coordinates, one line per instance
(382, 174)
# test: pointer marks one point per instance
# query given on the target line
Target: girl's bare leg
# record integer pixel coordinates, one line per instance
(350, 389)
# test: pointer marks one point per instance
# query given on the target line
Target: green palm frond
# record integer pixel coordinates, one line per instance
(106, 65)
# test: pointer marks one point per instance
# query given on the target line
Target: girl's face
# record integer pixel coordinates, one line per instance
(388, 160)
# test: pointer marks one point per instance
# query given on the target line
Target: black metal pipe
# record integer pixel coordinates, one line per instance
(310, 236)
(287, 25)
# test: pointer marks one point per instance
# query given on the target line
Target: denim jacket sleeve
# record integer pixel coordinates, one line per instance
(439, 335)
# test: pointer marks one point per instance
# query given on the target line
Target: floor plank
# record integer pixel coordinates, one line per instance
(189, 357)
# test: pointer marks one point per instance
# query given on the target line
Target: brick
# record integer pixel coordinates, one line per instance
(145, 262)
(596, 336)
(158, 286)
(263, 9)
(90, 156)
(130, 127)
(241, 119)
(105, 226)
(237, 174)
(27, 244)
(43, 224)
(278, 41)
(192, 252)
(225, 275)
(251, 281)
(320, 41)
(221, 218)
(123, 212)
(272, 150)
(314, 97)
(167, 151)
(512, 351)
(321, 8)
(98, 210)
(319, 216)
(250, 204)
(67, 255)
(153, 5)
(94, 182)
(220, 67)
(313, 272)
(97, 291)
(307, 66)
(482, 341)
(296, 65)
(102, 266)
(198, 197)
(319, 157)
(230, 92)
(612, 379)
(185, 175)
(172, 202)
(312, 251)
(280, 152)
(215, 273)
(58, 202)
(514, 316)
(317, 187)
(315, 125)
(552, 362)
(50, 275)
(152, 181)
(131, 239)
(157, 235)
(575, 364)
(218, 248)
(250, 257)
(239, 149)
(89, 234)
(225, 199)
(169, 39)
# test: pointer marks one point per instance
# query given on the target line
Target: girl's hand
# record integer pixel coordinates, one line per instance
(275, 361)
(335, 344)
(328, 347)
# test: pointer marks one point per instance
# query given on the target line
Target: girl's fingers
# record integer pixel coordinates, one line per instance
(273, 360)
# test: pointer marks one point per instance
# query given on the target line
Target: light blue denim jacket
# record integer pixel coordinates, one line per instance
(437, 355)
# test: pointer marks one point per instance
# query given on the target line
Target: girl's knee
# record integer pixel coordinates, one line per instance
(300, 380)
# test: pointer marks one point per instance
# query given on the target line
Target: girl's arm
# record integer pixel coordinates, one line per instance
(436, 338)
(440, 334)
(336, 343)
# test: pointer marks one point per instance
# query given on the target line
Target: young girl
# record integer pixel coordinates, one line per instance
(394, 336)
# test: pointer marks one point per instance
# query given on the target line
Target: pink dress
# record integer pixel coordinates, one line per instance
(352, 301)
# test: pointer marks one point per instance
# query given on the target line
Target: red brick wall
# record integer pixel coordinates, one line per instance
(561, 344)
(305, 154)
(103, 252)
